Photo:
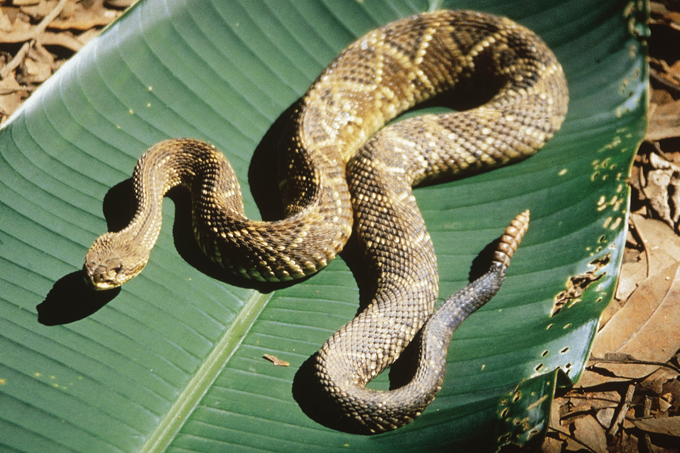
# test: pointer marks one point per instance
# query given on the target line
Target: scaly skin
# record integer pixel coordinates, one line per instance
(336, 170)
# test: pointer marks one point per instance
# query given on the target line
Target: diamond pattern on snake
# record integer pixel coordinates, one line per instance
(342, 172)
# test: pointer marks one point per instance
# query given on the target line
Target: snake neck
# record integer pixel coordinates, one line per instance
(180, 162)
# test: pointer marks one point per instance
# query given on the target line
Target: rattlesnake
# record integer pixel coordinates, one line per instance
(336, 169)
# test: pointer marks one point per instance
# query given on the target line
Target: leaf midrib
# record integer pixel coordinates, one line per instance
(193, 392)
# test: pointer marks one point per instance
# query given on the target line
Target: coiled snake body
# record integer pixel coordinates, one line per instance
(336, 170)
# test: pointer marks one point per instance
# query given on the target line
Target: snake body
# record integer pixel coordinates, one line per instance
(338, 168)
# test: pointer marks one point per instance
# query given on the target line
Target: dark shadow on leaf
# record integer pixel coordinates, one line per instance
(482, 263)
(263, 172)
(316, 404)
(188, 249)
(119, 205)
(263, 183)
(71, 299)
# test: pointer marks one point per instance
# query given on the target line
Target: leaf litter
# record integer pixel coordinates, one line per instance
(629, 396)
(38, 36)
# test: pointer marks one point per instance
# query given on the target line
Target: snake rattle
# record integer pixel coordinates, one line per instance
(340, 171)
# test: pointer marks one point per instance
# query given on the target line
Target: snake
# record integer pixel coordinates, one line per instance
(342, 171)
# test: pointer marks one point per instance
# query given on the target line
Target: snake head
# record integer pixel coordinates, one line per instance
(111, 261)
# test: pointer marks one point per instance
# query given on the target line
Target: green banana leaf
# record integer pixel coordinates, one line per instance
(174, 360)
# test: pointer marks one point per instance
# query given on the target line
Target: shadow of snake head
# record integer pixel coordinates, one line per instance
(111, 261)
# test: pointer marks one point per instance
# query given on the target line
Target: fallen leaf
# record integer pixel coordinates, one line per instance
(662, 245)
(629, 443)
(659, 97)
(605, 416)
(661, 187)
(654, 383)
(665, 402)
(39, 10)
(25, 2)
(673, 387)
(665, 122)
(36, 71)
(275, 360)
(552, 445)
(656, 191)
(63, 40)
(669, 426)
(631, 275)
(86, 19)
(594, 400)
(5, 23)
(627, 424)
(647, 328)
(120, 3)
(588, 431)
(10, 100)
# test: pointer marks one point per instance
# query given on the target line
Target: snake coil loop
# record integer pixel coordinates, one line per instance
(339, 173)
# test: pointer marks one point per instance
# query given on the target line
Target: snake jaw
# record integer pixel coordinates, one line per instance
(102, 277)
(105, 269)
(98, 277)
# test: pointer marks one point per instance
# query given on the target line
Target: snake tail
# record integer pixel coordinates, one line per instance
(373, 411)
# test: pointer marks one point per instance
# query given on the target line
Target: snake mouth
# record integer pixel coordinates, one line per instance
(96, 280)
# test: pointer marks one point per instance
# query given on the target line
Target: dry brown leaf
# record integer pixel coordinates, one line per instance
(662, 187)
(665, 402)
(40, 9)
(674, 69)
(36, 72)
(5, 23)
(588, 431)
(25, 2)
(63, 40)
(592, 378)
(605, 416)
(669, 426)
(552, 445)
(631, 275)
(275, 360)
(659, 97)
(673, 387)
(646, 328)
(654, 383)
(661, 243)
(9, 102)
(590, 401)
(656, 191)
(120, 3)
(86, 19)
(663, 248)
(664, 122)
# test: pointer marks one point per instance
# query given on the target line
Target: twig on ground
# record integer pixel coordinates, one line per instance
(16, 61)
(625, 404)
